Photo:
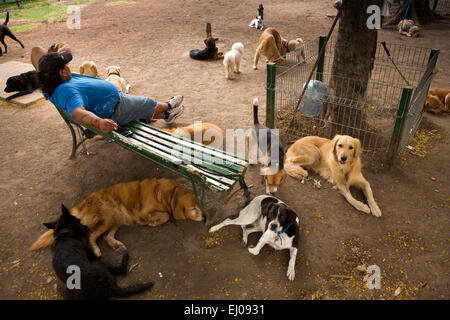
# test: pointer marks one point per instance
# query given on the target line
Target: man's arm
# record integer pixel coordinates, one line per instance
(86, 117)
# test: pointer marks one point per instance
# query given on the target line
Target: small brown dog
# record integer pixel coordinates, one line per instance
(208, 133)
(89, 68)
(113, 76)
(407, 27)
(296, 46)
(269, 46)
(149, 202)
(438, 100)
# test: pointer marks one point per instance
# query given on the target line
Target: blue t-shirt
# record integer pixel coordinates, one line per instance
(96, 95)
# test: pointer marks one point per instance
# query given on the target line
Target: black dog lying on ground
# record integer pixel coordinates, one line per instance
(25, 83)
(71, 252)
(4, 31)
(209, 53)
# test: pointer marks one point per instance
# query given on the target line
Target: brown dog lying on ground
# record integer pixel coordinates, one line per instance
(204, 133)
(408, 28)
(270, 47)
(146, 202)
(438, 100)
(336, 160)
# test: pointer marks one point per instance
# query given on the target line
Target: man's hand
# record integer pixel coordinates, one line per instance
(107, 125)
(82, 115)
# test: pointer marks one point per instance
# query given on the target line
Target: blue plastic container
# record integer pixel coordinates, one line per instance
(311, 104)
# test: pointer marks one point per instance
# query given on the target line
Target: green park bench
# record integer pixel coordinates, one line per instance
(212, 172)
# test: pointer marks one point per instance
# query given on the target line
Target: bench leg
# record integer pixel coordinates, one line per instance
(74, 142)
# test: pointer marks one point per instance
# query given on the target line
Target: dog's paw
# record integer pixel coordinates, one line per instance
(243, 243)
(254, 68)
(376, 211)
(291, 273)
(213, 229)
(97, 252)
(253, 250)
(120, 247)
(363, 207)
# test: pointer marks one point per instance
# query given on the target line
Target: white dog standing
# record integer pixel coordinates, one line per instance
(257, 23)
(232, 59)
(296, 46)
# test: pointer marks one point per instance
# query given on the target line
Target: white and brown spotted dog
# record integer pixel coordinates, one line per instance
(296, 46)
(336, 160)
(408, 28)
(278, 223)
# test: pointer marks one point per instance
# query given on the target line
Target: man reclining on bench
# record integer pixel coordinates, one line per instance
(93, 101)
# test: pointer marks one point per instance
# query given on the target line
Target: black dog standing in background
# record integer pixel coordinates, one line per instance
(4, 31)
(261, 11)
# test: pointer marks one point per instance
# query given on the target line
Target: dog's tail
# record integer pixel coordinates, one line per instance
(131, 290)
(255, 111)
(7, 18)
(44, 240)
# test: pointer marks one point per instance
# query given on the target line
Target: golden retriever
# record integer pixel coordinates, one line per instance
(146, 202)
(208, 133)
(113, 76)
(336, 160)
(89, 68)
(270, 47)
(438, 100)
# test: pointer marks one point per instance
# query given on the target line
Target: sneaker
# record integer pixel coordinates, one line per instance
(174, 113)
(175, 102)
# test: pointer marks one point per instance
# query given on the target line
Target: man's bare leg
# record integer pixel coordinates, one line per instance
(161, 107)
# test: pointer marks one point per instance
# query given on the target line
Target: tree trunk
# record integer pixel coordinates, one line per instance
(351, 69)
(419, 11)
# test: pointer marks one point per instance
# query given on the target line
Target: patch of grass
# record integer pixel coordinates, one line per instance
(81, 1)
(24, 27)
(46, 12)
(116, 3)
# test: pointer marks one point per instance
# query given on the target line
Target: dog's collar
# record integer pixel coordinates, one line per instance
(170, 203)
(286, 45)
(279, 233)
(114, 72)
(274, 55)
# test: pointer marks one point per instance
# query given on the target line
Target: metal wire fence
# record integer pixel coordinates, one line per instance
(384, 117)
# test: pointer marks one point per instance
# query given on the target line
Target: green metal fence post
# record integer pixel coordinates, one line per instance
(402, 113)
(270, 95)
(321, 63)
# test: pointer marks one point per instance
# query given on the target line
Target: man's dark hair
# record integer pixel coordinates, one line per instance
(49, 66)
(49, 81)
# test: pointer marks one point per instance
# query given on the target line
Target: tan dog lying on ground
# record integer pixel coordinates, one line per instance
(89, 68)
(270, 47)
(296, 46)
(113, 76)
(336, 160)
(204, 132)
(438, 100)
(408, 28)
(147, 202)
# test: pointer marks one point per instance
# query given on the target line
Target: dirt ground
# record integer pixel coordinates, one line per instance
(150, 41)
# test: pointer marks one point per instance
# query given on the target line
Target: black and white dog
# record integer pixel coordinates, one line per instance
(279, 224)
(25, 83)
